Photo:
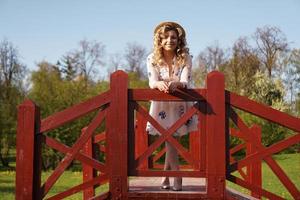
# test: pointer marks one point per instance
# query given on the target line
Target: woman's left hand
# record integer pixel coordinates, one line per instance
(173, 85)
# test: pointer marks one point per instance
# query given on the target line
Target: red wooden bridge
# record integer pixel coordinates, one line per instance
(131, 169)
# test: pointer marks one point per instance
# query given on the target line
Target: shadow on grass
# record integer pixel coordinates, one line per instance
(7, 189)
(10, 168)
(11, 162)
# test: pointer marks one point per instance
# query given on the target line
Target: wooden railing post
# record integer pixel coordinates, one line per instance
(197, 140)
(254, 169)
(28, 158)
(215, 135)
(141, 139)
(87, 171)
(194, 147)
(117, 138)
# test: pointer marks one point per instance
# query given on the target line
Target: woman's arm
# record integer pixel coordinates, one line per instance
(186, 73)
(154, 81)
(184, 78)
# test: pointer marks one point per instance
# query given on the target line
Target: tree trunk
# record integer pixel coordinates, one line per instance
(4, 161)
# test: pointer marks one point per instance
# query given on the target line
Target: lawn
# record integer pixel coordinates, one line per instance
(289, 162)
(67, 180)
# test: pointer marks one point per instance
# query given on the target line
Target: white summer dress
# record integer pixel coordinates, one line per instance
(166, 113)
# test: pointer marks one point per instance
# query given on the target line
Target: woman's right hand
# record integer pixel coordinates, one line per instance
(162, 86)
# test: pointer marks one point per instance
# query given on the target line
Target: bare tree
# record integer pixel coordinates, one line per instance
(199, 71)
(270, 41)
(291, 75)
(12, 72)
(135, 56)
(88, 58)
(242, 66)
(67, 67)
(212, 58)
(115, 62)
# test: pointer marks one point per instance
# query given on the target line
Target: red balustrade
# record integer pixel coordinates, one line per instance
(128, 151)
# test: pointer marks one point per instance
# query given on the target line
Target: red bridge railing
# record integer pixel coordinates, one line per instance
(129, 153)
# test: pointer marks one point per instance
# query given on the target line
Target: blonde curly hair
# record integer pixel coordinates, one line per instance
(181, 51)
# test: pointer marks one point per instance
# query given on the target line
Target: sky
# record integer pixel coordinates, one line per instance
(46, 30)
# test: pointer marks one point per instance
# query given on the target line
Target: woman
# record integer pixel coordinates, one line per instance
(169, 68)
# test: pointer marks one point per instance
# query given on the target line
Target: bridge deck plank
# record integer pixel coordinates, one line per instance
(193, 188)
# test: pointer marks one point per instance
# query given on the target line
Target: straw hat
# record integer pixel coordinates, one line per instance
(173, 24)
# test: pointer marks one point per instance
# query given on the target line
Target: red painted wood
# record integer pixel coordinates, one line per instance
(240, 170)
(132, 134)
(215, 127)
(81, 157)
(99, 137)
(156, 95)
(237, 148)
(74, 112)
(229, 196)
(264, 153)
(195, 141)
(28, 172)
(284, 179)
(183, 152)
(234, 150)
(141, 139)
(159, 155)
(117, 136)
(208, 147)
(102, 196)
(101, 147)
(245, 132)
(232, 194)
(87, 171)
(236, 133)
(263, 111)
(243, 174)
(95, 181)
(252, 187)
(249, 137)
(277, 147)
(142, 144)
(194, 148)
(255, 169)
(73, 152)
(202, 129)
(165, 133)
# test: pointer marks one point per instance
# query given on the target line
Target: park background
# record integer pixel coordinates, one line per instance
(59, 53)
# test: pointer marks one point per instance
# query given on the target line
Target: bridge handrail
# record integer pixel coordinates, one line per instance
(58, 119)
(263, 111)
(215, 104)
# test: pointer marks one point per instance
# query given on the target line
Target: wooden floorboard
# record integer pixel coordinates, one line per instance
(152, 184)
(192, 188)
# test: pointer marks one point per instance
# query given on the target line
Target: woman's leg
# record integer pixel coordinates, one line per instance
(165, 183)
(173, 161)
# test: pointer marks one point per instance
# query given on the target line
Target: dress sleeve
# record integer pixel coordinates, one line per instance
(186, 74)
(152, 73)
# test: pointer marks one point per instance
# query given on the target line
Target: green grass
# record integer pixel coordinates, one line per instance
(66, 181)
(289, 162)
